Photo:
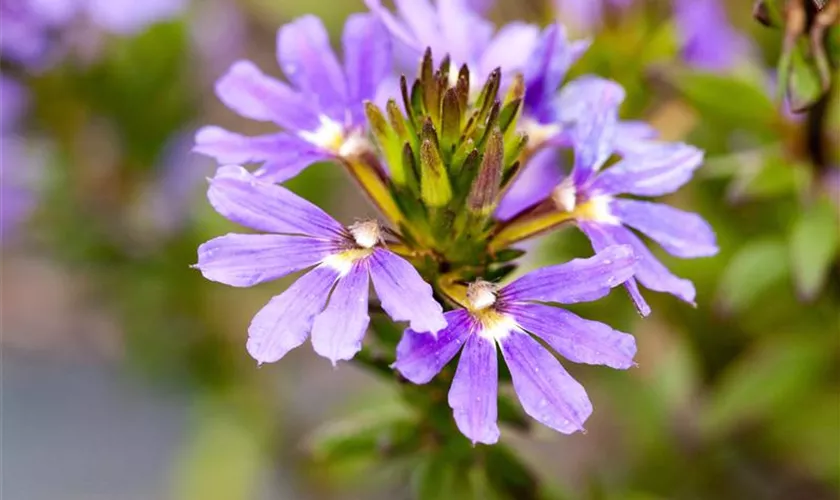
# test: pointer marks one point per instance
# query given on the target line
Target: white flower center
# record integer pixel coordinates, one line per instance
(329, 135)
(597, 209)
(538, 133)
(565, 195)
(366, 234)
(481, 295)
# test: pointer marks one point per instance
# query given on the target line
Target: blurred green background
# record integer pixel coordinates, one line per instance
(125, 375)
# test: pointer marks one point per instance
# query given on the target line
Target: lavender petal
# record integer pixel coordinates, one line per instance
(579, 280)
(590, 104)
(576, 339)
(552, 57)
(601, 238)
(421, 356)
(649, 271)
(338, 331)
(546, 391)
(367, 60)
(229, 147)
(682, 234)
(246, 200)
(285, 322)
(466, 33)
(252, 94)
(534, 183)
(403, 293)
(405, 34)
(473, 393)
(509, 49)
(308, 61)
(658, 171)
(244, 260)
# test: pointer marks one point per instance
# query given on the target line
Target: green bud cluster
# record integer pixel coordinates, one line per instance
(451, 155)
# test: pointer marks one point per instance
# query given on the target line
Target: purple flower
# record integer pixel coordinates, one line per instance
(591, 196)
(452, 27)
(455, 28)
(708, 40)
(304, 236)
(322, 111)
(571, 106)
(509, 317)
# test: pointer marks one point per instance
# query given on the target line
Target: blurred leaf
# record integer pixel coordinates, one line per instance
(373, 432)
(799, 79)
(508, 475)
(732, 102)
(438, 477)
(764, 380)
(224, 457)
(756, 266)
(802, 434)
(813, 245)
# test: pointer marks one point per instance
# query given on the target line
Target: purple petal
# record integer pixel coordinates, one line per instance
(658, 171)
(400, 31)
(307, 59)
(338, 331)
(248, 259)
(649, 271)
(708, 39)
(547, 392)
(466, 33)
(683, 234)
(510, 49)
(229, 147)
(403, 293)
(422, 20)
(552, 56)
(421, 355)
(279, 171)
(635, 137)
(581, 96)
(575, 338)
(474, 391)
(602, 238)
(579, 280)
(367, 59)
(590, 104)
(479, 6)
(285, 322)
(244, 199)
(539, 176)
(252, 94)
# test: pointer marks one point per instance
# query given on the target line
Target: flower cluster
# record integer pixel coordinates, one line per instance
(462, 163)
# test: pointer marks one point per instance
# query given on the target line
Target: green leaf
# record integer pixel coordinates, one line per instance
(814, 243)
(764, 380)
(439, 477)
(730, 101)
(508, 475)
(799, 79)
(755, 267)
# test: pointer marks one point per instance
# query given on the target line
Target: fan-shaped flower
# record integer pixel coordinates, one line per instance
(321, 109)
(509, 317)
(331, 300)
(591, 197)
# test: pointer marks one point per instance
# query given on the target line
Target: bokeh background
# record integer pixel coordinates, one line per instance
(124, 372)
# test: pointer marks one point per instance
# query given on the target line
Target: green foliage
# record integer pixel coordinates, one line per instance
(814, 241)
